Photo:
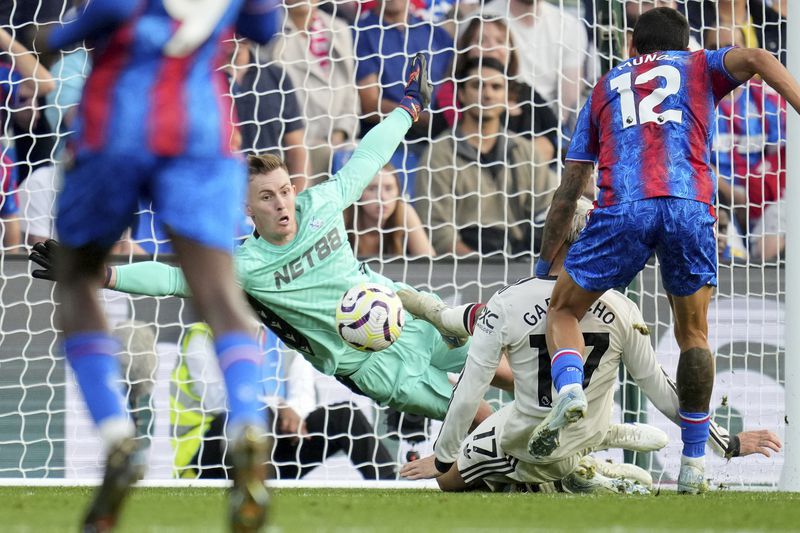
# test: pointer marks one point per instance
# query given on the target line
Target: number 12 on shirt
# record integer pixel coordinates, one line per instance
(647, 105)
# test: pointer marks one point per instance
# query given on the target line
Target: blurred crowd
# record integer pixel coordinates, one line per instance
(474, 178)
(476, 174)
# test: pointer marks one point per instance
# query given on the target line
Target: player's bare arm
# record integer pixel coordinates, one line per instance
(424, 468)
(744, 63)
(576, 177)
(761, 441)
(27, 64)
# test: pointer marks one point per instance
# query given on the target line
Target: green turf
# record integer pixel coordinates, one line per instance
(200, 510)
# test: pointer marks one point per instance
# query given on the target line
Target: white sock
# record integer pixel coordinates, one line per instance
(570, 387)
(698, 462)
(453, 320)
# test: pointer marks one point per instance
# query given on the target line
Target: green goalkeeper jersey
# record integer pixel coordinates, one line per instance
(295, 288)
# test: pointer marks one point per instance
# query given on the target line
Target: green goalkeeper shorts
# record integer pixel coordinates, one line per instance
(411, 375)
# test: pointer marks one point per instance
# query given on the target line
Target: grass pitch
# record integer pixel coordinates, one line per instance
(24, 509)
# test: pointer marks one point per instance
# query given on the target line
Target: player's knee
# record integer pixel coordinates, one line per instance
(691, 337)
(691, 331)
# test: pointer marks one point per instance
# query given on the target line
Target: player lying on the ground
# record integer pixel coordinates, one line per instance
(514, 321)
(647, 125)
(298, 264)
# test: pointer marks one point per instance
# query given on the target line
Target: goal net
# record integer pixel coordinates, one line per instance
(474, 177)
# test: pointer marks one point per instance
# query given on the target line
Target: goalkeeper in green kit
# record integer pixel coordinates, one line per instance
(298, 264)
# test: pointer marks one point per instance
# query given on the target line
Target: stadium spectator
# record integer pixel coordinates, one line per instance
(33, 142)
(635, 8)
(9, 207)
(764, 25)
(731, 245)
(305, 433)
(438, 11)
(70, 72)
(750, 156)
(22, 80)
(528, 113)
(552, 46)
(384, 40)
(383, 224)
(434, 10)
(27, 17)
(482, 187)
(259, 88)
(316, 51)
(37, 193)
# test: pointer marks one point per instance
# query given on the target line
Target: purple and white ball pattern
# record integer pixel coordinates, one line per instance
(370, 317)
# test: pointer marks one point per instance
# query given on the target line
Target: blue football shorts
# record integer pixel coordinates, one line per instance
(199, 198)
(619, 240)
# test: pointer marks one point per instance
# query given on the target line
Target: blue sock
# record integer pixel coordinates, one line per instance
(566, 368)
(240, 359)
(96, 368)
(694, 433)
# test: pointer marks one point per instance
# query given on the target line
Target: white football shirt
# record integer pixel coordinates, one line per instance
(514, 322)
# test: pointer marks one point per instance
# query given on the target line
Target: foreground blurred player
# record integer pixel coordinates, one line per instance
(153, 123)
(514, 321)
(647, 125)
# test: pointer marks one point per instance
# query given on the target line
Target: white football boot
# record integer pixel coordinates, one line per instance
(570, 407)
(635, 437)
(691, 479)
(625, 471)
(448, 321)
(587, 478)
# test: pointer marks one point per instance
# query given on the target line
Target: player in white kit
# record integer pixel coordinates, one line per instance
(514, 321)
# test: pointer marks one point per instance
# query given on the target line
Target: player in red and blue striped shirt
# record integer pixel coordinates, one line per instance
(647, 126)
(635, 152)
(153, 124)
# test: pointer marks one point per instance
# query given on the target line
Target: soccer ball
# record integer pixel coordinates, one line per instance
(370, 317)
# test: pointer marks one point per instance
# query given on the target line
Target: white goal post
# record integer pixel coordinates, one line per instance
(790, 477)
